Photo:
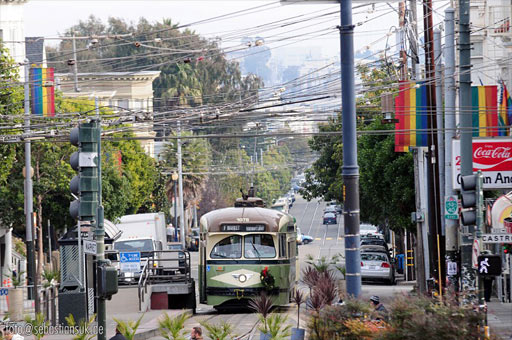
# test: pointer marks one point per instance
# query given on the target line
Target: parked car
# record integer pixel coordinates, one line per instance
(330, 218)
(369, 230)
(330, 209)
(374, 241)
(377, 265)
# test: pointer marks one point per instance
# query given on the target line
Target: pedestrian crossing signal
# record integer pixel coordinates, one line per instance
(489, 265)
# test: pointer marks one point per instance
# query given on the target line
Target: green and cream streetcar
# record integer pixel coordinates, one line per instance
(244, 251)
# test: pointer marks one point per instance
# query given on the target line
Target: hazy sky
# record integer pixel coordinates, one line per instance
(51, 18)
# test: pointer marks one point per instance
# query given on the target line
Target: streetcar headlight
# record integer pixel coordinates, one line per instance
(242, 278)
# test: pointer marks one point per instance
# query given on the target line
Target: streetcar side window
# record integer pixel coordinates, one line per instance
(228, 248)
(259, 246)
(282, 245)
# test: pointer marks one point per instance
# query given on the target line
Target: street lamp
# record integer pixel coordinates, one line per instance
(174, 177)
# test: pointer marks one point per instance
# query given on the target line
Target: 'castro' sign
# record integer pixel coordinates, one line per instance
(493, 156)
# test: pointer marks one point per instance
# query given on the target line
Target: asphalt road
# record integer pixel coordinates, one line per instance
(328, 242)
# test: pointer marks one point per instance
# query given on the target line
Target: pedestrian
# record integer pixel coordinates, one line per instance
(170, 232)
(196, 333)
(118, 335)
(379, 311)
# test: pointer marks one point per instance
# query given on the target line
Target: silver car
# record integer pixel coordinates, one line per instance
(376, 265)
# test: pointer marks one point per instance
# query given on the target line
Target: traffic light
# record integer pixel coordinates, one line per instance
(507, 248)
(469, 199)
(107, 281)
(85, 185)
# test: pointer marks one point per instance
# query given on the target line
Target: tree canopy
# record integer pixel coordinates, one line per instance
(386, 177)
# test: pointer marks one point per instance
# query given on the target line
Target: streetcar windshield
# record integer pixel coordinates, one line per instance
(228, 248)
(259, 246)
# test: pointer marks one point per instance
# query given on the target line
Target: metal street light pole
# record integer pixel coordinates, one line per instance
(350, 169)
(180, 183)
(28, 190)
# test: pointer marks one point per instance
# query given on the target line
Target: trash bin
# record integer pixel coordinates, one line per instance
(400, 259)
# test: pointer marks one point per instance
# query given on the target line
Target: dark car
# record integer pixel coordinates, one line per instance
(330, 218)
(194, 240)
(374, 241)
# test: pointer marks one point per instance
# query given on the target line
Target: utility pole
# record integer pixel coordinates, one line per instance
(440, 123)
(29, 234)
(350, 169)
(180, 184)
(466, 138)
(75, 65)
(434, 216)
(100, 236)
(421, 258)
(451, 228)
(413, 42)
(403, 53)
(50, 246)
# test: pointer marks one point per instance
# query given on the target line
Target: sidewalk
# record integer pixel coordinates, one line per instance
(499, 318)
(124, 306)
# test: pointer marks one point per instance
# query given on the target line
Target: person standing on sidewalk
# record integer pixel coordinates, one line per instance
(118, 335)
(196, 333)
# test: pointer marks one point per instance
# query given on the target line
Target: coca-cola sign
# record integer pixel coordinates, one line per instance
(493, 156)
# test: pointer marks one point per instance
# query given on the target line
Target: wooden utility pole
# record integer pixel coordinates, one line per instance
(403, 53)
(434, 213)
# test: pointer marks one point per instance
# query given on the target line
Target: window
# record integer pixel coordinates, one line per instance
(282, 245)
(373, 257)
(291, 249)
(134, 245)
(478, 49)
(228, 248)
(259, 246)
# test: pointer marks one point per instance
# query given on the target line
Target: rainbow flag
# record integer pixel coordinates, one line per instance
(504, 112)
(42, 93)
(411, 113)
(484, 103)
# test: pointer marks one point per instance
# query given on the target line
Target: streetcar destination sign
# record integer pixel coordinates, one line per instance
(242, 227)
(497, 238)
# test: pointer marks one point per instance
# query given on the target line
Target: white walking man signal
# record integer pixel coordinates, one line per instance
(483, 265)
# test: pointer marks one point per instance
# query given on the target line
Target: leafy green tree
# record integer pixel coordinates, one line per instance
(386, 177)
(11, 105)
(194, 70)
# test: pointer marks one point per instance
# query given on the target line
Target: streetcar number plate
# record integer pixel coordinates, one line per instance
(243, 227)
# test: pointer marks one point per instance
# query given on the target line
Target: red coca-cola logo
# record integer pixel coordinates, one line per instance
(492, 156)
(498, 152)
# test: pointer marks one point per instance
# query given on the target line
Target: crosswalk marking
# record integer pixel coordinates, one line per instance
(317, 238)
(328, 238)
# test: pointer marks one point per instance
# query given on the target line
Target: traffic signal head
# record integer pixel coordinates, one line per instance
(85, 185)
(469, 198)
(507, 248)
(107, 281)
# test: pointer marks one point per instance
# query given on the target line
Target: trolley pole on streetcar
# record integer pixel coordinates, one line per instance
(350, 168)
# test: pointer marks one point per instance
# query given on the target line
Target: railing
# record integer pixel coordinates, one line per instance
(48, 301)
(164, 266)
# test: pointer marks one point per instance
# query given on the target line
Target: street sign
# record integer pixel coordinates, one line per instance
(451, 208)
(90, 247)
(451, 268)
(489, 265)
(499, 231)
(497, 238)
(493, 156)
(129, 261)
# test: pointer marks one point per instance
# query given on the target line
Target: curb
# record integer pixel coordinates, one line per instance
(150, 328)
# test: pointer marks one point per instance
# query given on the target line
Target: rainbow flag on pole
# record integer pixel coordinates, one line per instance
(484, 103)
(411, 113)
(42, 93)
(504, 111)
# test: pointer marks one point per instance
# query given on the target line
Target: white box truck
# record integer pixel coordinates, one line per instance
(142, 233)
